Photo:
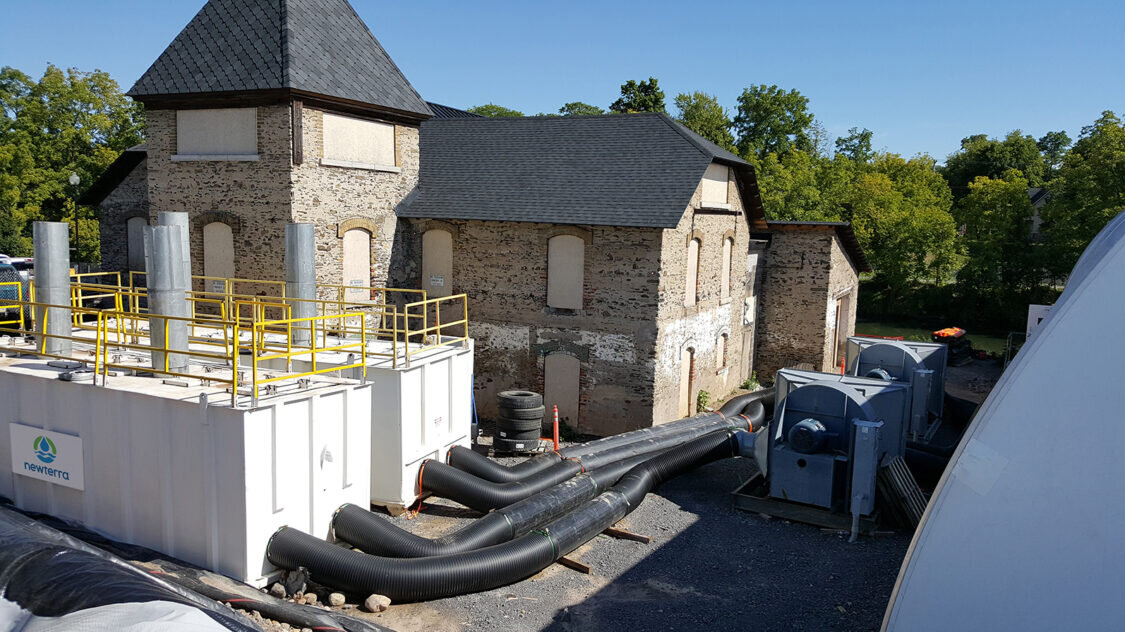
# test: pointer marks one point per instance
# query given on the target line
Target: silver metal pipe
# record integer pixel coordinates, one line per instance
(167, 295)
(172, 218)
(51, 241)
(300, 276)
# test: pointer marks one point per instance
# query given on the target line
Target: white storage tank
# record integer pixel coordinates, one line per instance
(176, 468)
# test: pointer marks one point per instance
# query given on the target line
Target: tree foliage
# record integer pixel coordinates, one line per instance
(772, 121)
(66, 122)
(856, 146)
(492, 110)
(578, 108)
(702, 114)
(644, 96)
(992, 158)
(1053, 146)
(1087, 193)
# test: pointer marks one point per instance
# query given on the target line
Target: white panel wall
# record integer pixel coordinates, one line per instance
(227, 131)
(206, 484)
(353, 140)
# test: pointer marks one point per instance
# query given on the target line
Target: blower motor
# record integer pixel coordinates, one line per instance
(808, 436)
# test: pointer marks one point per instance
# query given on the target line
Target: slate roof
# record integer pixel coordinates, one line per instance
(611, 170)
(114, 175)
(843, 230)
(444, 112)
(319, 47)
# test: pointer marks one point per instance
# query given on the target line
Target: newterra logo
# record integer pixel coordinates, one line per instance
(45, 449)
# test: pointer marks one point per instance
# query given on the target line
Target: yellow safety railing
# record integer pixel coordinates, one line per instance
(259, 344)
(7, 305)
(438, 334)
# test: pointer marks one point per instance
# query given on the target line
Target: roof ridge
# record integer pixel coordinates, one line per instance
(676, 127)
(552, 117)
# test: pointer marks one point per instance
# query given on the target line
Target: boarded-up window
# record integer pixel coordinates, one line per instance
(724, 280)
(721, 351)
(561, 373)
(218, 255)
(222, 132)
(691, 282)
(355, 142)
(357, 264)
(687, 379)
(437, 262)
(565, 264)
(715, 184)
(134, 235)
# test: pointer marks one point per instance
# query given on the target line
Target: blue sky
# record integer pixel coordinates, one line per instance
(921, 75)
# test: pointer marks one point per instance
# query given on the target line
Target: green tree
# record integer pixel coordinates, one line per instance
(990, 157)
(578, 108)
(1053, 146)
(702, 114)
(645, 96)
(856, 146)
(1087, 193)
(494, 111)
(900, 210)
(66, 122)
(1002, 262)
(772, 121)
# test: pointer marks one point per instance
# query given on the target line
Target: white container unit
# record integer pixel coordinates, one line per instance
(418, 412)
(150, 464)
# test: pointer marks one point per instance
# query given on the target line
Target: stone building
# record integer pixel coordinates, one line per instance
(620, 264)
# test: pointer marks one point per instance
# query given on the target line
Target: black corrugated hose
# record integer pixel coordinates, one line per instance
(448, 482)
(482, 467)
(379, 536)
(447, 575)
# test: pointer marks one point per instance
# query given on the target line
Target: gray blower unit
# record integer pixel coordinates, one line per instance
(918, 364)
(830, 435)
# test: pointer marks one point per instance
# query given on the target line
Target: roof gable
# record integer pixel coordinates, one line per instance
(318, 47)
(612, 170)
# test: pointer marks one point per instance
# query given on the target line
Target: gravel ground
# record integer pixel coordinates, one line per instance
(708, 564)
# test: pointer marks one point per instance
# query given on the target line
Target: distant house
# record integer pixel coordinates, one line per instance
(622, 264)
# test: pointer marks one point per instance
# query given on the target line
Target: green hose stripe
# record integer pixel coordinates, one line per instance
(511, 527)
(547, 534)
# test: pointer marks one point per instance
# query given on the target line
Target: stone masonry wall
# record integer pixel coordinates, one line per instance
(333, 196)
(252, 196)
(843, 280)
(699, 326)
(128, 200)
(794, 301)
(502, 267)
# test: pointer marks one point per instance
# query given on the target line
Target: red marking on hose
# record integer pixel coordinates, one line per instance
(721, 415)
(420, 470)
(579, 462)
(749, 424)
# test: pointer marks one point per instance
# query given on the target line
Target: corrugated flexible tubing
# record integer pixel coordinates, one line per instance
(483, 495)
(376, 535)
(482, 467)
(415, 579)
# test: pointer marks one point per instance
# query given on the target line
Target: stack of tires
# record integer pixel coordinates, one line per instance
(520, 422)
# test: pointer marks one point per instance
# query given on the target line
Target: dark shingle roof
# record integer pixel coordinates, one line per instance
(114, 175)
(315, 46)
(445, 112)
(843, 230)
(612, 170)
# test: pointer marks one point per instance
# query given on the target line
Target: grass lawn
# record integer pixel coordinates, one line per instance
(991, 344)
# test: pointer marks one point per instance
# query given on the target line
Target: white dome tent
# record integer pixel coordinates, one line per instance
(1026, 530)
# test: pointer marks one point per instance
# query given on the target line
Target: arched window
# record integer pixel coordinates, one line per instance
(724, 280)
(565, 264)
(687, 379)
(357, 264)
(561, 373)
(721, 351)
(135, 239)
(437, 262)
(218, 255)
(691, 284)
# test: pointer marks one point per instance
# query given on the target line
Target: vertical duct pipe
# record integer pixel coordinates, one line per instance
(51, 241)
(167, 295)
(170, 218)
(300, 277)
